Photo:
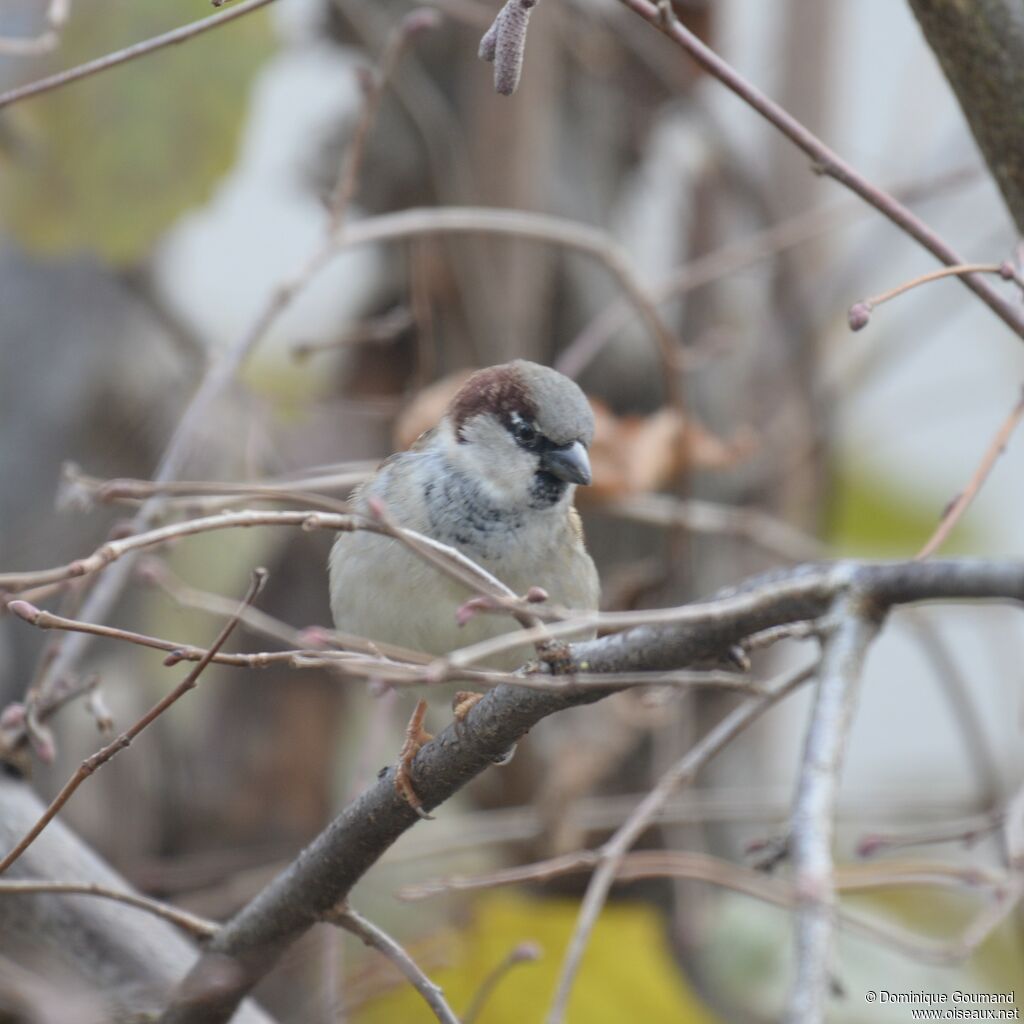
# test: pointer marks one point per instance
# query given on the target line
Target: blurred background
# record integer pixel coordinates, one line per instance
(150, 212)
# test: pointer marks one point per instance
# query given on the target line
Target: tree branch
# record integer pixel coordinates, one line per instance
(92, 67)
(813, 823)
(826, 161)
(980, 46)
(354, 922)
(613, 852)
(325, 872)
(101, 757)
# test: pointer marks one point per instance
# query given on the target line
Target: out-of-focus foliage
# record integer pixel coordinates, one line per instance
(871, 517)
(627, 975)
(110, 163)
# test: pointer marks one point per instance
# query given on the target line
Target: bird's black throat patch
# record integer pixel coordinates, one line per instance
(546, 489)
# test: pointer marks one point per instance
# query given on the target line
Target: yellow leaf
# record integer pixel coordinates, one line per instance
(628, 973)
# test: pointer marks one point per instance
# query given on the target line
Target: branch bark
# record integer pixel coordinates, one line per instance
(325, 872)
(826, 161)
(980, 47)
(814, 810)
(115, 952)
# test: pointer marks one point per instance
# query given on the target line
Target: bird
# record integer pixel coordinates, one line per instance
(495, 479)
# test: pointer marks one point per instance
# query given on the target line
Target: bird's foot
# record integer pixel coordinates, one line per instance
(416, 737)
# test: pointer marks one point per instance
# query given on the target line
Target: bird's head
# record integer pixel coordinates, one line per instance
(521, 431)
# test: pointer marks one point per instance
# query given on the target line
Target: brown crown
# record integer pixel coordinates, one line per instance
(499, 391)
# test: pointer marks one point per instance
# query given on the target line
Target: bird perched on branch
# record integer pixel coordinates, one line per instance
(494, 479)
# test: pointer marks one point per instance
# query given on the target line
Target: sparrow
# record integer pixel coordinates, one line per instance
(494, 479)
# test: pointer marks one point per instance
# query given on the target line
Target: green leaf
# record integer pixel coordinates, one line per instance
(108, 163)
(873, 516)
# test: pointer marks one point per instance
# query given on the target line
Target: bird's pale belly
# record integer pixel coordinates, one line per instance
(382, 591)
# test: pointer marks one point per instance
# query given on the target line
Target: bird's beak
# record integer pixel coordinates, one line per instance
(570, 464)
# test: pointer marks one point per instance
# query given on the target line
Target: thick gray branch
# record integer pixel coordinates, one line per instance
(814, 811)
(329, 867)
(980, 46)
(106, 953)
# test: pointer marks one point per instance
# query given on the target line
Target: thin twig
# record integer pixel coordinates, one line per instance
(97, 760)
(810, 839)
(352, 921)
(611, 854)
(958, 831)
(960, 504)
(197, 927)
(218, 377)
(964, 714)
(647, 864)
(753, 524)
(825, 160)
(704, 867)
(524, 953)
(258, 935)
(559, 231)
(443, 557)
(178, 35)
(380, 329)
(369, 661)
(860, 312)
(732, 257)
(413, 23)
(80, 487)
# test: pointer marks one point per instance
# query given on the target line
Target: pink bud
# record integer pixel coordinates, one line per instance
(859, 315)
(24, 610)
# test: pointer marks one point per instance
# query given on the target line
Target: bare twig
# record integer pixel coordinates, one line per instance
(610, 856)
(964, 715)
(197, 927)
(383, 663)
(97, 760)
(645, 864)
(825, 161)
(324, 874)
(755, 805)
(860, 312)
(443, 557)
(959, 831)
(419, 20)
(345, 917)
(379, 329)
(790, 631)
(732, 257)
(524, 953)
(757, 526)
(810, 840)
(559, 231)
(703, 867)
(116, 549)
(959, 505)
(92, 67)
(223, 370)
(80, 488)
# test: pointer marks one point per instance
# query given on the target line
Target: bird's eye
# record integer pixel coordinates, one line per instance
(524, 433)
